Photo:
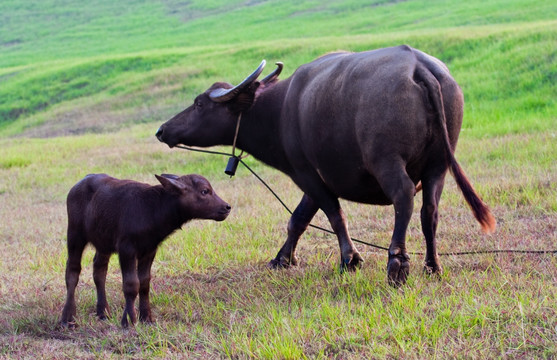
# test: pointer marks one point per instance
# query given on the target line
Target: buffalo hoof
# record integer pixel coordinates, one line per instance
(281, 262)
(351, 263)
(398, 269)
(433, 269)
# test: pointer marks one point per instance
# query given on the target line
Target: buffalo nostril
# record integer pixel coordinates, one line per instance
(159, 133)
(228, 207)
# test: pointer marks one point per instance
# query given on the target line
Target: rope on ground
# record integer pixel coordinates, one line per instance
(459, 253)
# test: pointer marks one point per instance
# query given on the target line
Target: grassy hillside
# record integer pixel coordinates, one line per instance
(103, 65)
(48, 30)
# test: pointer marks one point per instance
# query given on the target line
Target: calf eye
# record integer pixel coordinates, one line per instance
(204, 191)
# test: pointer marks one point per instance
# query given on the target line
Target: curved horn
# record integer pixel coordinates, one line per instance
(223, 95)
(272, 76)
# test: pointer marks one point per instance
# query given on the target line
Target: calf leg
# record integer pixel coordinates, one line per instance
(128, 264)
(433, 188)
(144, 274)
(76, 244)
(301, 217)
(100, 267)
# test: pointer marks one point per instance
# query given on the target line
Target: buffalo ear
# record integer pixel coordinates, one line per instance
(170, 182)
(245, 99)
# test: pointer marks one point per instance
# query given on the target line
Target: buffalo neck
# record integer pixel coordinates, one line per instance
(259, 133)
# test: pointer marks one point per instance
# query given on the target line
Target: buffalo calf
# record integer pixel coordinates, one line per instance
(131, 219)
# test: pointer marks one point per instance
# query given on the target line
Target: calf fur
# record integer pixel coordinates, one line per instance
(131, 219)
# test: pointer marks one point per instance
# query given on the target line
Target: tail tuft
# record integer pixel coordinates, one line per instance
(479, 208)
(488, 223)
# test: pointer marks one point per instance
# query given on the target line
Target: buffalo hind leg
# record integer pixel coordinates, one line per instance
(76, 245)
(301, 217)
(100, 267)
(144, 274)
(401, 190)
(429, 217)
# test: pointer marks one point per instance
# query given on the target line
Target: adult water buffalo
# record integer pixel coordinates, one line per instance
(366, 127)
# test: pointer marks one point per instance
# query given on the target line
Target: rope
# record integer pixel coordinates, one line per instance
(461, 253)
(236, 136)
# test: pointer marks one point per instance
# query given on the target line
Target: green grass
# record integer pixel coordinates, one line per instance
(83, 88)
(55, 30)
(213, 296)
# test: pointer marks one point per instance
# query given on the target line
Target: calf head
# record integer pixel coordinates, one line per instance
(211, 119)
(196, 197)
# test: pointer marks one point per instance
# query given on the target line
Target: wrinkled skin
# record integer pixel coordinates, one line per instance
(366, 127)
(131, 219)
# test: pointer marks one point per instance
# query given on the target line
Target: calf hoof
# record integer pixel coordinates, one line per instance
(147, 319)
(103, 312)
(103, 315)
(281, 262)
(352, 263)
(124, 322)
(398, 269)
(68, 324)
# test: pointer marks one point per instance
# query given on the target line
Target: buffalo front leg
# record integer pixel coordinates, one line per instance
(130, 285)
(350, 258)
(429, 218)
(144, 274)
(301, 217)
(100, 267)
(76, 245)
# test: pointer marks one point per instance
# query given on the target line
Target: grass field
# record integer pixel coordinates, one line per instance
(84, 88)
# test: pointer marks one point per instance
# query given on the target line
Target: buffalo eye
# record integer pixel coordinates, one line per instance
(205, 192)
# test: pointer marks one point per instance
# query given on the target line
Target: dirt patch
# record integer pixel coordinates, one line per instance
(11, 43)
(186, 10)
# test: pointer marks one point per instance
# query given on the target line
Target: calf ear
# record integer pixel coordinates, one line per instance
(170, 182)
(170, 176)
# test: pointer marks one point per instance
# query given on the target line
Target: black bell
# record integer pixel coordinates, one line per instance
(232, 166)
